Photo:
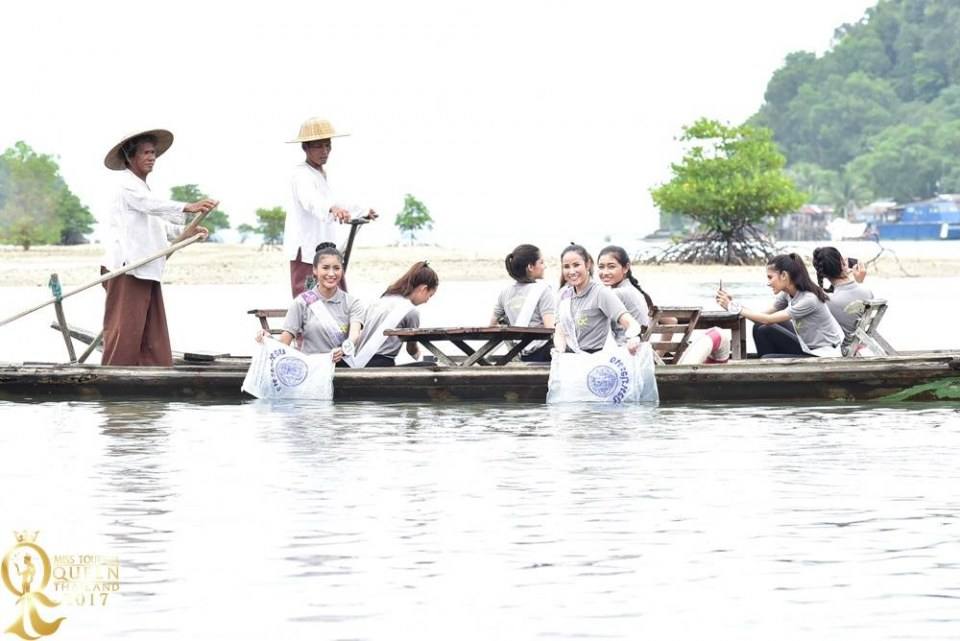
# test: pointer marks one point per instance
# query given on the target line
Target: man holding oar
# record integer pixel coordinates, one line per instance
(134, 320)
(314, 213)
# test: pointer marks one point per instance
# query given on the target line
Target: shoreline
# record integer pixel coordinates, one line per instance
(243, 264)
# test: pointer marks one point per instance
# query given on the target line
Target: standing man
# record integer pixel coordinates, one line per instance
(314, 213)
(134, 320)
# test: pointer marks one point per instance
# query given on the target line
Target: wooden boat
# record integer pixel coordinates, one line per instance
(929, 376)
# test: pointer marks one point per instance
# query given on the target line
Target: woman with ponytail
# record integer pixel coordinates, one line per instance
(812, 329)
(586, 308)
(846, 289)
(396, 308)
(327, 318)
(528, 302)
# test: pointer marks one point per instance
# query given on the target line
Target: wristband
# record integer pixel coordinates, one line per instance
(348, 347)
(736, 308)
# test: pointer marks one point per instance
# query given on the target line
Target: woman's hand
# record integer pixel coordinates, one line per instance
(262, 334)
(337, 355)
(858, 271)
(633, 345)
(723, 299)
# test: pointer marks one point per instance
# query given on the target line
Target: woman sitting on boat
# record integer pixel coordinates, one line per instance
(396, 308)
(846, 290)
(529, 302)
(587, 308)
(812, 331)
(328, 318)
(613, 268)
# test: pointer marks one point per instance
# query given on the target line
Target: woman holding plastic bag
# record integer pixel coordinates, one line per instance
(327, 319)
(584, 316)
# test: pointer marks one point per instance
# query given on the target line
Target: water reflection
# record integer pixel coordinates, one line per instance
(369, 521)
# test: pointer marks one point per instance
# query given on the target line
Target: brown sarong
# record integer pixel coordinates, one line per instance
(135, 324)
(299, 273)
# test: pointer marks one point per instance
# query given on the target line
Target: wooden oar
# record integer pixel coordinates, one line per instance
(354, 226)
(166, 252)
(193, 224)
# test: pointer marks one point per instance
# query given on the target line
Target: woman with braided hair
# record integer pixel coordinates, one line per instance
(846, 290)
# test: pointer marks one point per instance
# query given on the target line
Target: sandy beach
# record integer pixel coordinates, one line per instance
(212, 263)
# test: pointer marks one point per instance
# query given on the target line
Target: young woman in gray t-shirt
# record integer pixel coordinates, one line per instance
(586, 308)
(528, 302)
(812, 329)
(325, 318)
(846, 289)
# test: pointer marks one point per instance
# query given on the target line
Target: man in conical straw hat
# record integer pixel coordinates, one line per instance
(314, 213)
(140, 224)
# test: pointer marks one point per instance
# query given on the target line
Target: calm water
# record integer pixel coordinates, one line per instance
(364, 521)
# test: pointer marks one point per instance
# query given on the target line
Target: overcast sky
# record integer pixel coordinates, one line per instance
(498, 115)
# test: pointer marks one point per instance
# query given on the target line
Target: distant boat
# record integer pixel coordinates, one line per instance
(936, 219)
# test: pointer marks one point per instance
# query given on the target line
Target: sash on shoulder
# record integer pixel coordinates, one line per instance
(566, 321)
(331, 328)
(401, 307)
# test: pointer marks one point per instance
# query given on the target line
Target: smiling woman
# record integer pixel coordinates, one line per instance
(324, 318)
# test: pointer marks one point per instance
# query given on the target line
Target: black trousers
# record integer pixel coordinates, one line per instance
(777, 341)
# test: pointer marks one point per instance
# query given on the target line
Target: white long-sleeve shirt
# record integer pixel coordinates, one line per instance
(141, 225)
(309, 221)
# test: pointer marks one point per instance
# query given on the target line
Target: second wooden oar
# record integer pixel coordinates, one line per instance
(166, 252)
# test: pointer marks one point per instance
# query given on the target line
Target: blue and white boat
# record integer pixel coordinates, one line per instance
(935, 219)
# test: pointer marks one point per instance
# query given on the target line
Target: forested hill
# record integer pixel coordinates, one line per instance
(878, 115)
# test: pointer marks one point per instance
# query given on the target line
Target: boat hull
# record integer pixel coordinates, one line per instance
(741, 381)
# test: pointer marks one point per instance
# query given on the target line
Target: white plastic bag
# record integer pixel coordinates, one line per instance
(608, 376)
(278, 371)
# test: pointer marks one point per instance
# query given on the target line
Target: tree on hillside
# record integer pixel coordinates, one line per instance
(270, 225)
(191, 193)
(414, 217)
(730, 181)
(892, 78)
(36, 206)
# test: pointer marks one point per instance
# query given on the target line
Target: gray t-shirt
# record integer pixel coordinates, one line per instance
(511, 302)
(814, 323)
(593, 310)
(842, 296)
(376, 313)
(635, 303)
(344, 309)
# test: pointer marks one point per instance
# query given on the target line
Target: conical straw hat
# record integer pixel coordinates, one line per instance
(114, 158)
(316, 129)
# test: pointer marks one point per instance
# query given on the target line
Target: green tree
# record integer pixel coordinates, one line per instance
(270, 225)
(730, 182)
(414, 217)
(245, 230)
(845, 110)
(191, 193)
(36, 206)
(29, 215)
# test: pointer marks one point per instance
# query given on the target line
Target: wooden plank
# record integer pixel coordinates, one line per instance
(441, 357)
(94, 344)
(470, 333)
(757, 381)
(61, 318)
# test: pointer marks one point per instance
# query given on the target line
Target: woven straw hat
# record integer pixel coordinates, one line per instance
(114, 158)
(316, 129)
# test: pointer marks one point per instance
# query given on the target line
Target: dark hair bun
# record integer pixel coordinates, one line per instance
(324, 245)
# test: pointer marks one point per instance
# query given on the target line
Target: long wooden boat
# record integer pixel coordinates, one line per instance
(928, 376)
